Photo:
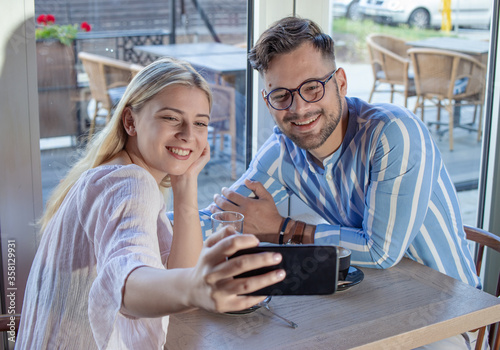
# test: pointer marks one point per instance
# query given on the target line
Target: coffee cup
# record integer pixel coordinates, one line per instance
(344, 262)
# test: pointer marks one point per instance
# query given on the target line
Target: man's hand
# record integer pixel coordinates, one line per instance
(261, 214)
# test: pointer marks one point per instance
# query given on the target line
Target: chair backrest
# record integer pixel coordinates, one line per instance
(391, 43)
(485, 239)
(447, 74)
(388, 58)
(223, 106)
(105, 73)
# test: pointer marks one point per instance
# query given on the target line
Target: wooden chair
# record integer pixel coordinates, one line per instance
(223, 120)
(390, 65)
(108, 78)
(485, 239)
(448, 77)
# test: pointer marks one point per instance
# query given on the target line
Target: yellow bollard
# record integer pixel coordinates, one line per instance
(446, 16)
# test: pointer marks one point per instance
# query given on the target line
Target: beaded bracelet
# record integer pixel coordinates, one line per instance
(284, 223)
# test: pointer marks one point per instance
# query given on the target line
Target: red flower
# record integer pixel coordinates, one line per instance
(42, 19)
(85, 27)
(46, 19)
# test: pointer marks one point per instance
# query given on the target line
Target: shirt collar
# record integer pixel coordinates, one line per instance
(328, 162)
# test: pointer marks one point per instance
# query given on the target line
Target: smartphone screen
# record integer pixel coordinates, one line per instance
(310, 269)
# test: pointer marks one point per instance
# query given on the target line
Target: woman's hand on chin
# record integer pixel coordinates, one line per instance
(194, 170)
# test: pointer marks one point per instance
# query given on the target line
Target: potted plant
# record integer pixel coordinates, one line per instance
(57, 85)
(65, 34)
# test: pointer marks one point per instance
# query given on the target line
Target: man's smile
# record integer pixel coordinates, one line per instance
(306, 122)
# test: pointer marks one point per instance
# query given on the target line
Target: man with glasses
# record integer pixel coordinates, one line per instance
(371, 171)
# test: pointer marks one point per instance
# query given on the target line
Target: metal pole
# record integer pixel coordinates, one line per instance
(172, 22)
(457, 14)
(207, 22)
(249, 83)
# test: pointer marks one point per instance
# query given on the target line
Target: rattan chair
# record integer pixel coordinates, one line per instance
(485, 239)
(108, 78)
(223, 120)
(391, 65)
(449, 79)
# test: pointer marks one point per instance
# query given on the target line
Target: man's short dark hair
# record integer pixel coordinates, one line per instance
(286, 35)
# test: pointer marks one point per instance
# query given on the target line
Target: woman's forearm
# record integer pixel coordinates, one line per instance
(187, 238)
(210, 285)
(169, 295)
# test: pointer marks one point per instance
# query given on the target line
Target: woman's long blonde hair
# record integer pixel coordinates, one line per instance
(112, 139)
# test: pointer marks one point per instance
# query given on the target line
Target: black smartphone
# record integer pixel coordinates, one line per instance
(310, 269)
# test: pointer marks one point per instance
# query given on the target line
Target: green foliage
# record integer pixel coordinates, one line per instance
(64, 33)
(351, 35)
(365, 27)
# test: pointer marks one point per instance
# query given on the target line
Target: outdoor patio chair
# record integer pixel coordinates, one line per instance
(485, 239)
(223, 120)
(449, 79)
(108, 79)
(390, 65)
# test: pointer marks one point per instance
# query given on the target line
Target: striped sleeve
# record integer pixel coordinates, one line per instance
(396, 197)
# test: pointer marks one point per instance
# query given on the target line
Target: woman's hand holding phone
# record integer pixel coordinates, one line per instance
(214, 287)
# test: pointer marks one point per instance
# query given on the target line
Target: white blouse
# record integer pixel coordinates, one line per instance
(111, 222)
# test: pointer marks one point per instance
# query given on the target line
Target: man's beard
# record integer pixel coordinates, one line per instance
(314, 141)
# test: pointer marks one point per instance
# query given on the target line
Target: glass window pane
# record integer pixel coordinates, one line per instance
(211, 36)
(360, 45)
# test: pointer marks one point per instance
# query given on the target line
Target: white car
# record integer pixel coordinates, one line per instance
(346, 8)
(427, 13)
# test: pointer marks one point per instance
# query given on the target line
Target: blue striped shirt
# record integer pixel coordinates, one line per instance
(385, 192)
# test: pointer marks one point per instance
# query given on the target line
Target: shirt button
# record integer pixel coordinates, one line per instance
(329, 177)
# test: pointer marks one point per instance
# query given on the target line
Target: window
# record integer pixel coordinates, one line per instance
(211, 36)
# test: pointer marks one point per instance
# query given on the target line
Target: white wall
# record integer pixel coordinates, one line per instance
(20, 175)
(491, 183)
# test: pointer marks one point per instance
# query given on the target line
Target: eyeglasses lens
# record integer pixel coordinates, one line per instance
(311, 91)
(280, 98)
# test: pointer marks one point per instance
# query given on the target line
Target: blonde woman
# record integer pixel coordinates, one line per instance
(110, 266)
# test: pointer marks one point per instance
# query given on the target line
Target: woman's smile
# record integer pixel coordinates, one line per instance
(181, 152)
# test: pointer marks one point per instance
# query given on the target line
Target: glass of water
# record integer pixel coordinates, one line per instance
(227, 218)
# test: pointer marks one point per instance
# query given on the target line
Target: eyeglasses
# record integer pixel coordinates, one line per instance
(310, 91)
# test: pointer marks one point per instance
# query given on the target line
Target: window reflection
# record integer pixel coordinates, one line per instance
(386, 68)
(212, 35)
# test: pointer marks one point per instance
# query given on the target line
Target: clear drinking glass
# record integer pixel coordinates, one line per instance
(227, 218)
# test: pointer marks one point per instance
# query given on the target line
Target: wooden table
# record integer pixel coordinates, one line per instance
(183, 50)
(229, 62)
(471, 47)
(477, 48)
(407, 306)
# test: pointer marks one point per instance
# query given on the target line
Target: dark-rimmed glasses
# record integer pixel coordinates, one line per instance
(310, 91)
